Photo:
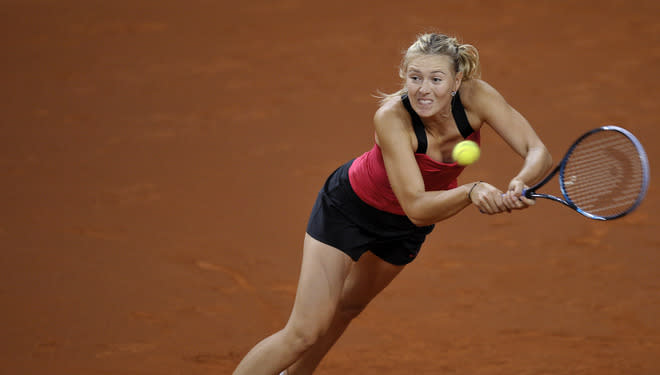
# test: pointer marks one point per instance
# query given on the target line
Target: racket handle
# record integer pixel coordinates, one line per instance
(527, 193)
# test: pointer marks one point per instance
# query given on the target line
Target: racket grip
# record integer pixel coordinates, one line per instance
(527, 193)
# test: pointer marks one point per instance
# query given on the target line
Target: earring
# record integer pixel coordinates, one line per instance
(453, 93)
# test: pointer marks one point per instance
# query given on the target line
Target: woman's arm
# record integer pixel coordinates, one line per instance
(519, 134)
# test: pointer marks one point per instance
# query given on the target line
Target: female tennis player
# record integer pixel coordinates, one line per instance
(374, 212)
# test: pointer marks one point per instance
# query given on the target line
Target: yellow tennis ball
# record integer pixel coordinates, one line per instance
(466, 152)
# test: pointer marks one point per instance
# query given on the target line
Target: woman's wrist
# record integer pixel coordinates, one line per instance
(471, 189)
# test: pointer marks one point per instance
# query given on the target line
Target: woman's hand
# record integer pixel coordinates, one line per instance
(514, 199)
(488, 198)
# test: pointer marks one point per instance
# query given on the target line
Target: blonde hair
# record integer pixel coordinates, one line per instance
(464, 57)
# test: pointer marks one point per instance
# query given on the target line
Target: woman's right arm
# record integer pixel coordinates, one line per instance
(422, 207)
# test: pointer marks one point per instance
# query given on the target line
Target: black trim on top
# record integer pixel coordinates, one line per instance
(457, 110)
(460, 116)
(418, 126)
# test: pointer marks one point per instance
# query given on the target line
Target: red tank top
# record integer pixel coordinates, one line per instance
(369, 179)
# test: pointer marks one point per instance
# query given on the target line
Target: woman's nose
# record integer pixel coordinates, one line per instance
(424, 87)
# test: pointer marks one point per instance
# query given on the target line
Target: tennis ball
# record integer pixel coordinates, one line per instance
(466, 152)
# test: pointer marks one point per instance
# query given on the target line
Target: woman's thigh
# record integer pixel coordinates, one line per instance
(367, 277)
(322, 276)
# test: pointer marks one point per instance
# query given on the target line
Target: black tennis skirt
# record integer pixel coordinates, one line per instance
(342, 220)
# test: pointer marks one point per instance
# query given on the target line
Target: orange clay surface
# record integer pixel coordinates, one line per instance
(159, 161)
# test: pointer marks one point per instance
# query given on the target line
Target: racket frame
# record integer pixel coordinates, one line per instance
(531, 192)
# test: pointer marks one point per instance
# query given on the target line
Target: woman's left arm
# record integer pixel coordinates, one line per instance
(519, 134)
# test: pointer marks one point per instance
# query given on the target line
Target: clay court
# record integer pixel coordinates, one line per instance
(159, 160)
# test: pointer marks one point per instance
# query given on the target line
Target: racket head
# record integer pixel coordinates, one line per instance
(605, 173)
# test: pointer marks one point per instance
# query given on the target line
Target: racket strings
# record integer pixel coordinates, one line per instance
(604, 174)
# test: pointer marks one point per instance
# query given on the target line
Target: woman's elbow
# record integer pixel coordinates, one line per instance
(420, 222)
(546, 159)
(419, 217)
(540, 157)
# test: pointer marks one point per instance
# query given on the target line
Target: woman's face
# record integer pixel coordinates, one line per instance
(430, 79)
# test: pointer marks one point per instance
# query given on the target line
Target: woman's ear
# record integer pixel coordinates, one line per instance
(459, 79)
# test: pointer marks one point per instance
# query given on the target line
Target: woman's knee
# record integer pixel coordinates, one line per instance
(302, 336)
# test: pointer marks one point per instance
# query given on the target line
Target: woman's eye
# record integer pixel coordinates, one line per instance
(437, 79)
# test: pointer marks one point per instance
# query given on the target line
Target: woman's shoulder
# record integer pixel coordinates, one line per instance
(391, 109)
(476, 89)
(392, 120)
(481, 101)
(479, 96)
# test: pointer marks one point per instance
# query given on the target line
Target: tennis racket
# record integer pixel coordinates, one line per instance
(603, 176)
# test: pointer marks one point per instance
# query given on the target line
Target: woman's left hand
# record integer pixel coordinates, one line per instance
(514, 199)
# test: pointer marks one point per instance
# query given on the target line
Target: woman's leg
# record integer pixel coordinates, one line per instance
(367, 278)
(323, 272)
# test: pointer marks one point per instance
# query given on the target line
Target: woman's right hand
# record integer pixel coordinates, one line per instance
(488, 199)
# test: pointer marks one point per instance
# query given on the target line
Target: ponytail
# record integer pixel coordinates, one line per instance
(467, 61)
